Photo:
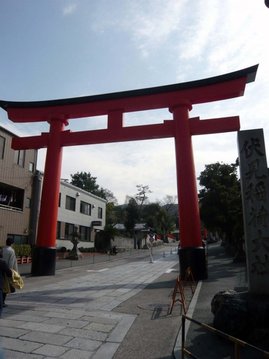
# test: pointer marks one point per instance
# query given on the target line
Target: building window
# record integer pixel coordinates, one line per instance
(70, 203)
(58, 234)
(11, 197)
(19, 157)
(84, 233)
(100, 212)
(2, 146)
(69, 230)
(85, 208)
(31, 167)
(59, 200)
(18, 238)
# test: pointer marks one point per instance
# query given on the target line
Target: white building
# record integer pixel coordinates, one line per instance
(80, 209)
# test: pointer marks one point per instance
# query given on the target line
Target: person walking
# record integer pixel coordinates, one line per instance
(4, 270)
(9, 257)
(149, 242)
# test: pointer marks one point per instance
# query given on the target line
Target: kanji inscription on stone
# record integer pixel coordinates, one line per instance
(255, 199)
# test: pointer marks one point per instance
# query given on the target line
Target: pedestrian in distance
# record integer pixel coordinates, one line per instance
(149, 242)
(4, 270)
(9, 256)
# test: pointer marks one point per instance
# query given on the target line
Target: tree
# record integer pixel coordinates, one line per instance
(103, 239)
(109, 196)
(166, 223)
(220, 202)
(170, 204)
(158, 218)
(111, 213)
(141, 197)
(87, 182)
(131, 216)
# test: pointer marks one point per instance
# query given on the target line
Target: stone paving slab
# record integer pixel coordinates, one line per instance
(72, 316)
(19, 345)
(11, 354)
(51, 350)
(46, 338)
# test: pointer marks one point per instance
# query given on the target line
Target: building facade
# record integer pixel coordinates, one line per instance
(17, 169)
(81, 210)
(20, 195)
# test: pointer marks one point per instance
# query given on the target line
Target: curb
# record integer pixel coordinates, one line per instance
(177, 347)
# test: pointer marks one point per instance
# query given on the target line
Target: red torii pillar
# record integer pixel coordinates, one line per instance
(47, 227)
(179, 99)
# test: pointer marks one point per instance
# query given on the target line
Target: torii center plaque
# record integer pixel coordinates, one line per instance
(178, 98)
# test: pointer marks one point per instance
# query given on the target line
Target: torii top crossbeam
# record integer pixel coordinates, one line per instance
(201, 91)
(178, 98)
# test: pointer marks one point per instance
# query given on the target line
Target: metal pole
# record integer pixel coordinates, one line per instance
(183, 337)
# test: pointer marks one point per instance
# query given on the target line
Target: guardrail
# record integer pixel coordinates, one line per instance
(238, 343)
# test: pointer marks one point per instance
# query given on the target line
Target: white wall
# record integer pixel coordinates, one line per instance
(68, 216)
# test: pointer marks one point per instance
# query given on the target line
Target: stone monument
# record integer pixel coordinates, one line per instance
(246, 314)
(255, 198)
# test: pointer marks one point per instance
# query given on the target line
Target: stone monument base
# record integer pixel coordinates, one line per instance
(243, 316)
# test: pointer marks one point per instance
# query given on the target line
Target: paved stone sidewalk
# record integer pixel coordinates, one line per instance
(72, 317)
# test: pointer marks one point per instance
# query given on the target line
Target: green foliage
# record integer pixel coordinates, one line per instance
(131, 216)
(22, 250)
(88, 183)
(111, 213)
(157, 217)
(103, 238)
(220, 201)
(162, 218)
(109, 196)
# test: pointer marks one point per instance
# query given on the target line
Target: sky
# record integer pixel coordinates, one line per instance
(55, 49)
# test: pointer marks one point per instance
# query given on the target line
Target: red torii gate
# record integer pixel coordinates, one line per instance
(178, 98)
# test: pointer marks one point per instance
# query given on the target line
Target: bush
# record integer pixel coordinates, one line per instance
(22, 250)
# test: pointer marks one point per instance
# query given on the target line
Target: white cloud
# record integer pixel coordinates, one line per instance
(152, 25)
(149, 23)
(69, 9)
(197, 33)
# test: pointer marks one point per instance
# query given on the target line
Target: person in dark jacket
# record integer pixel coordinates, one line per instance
(4, 269)
(9, 256)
